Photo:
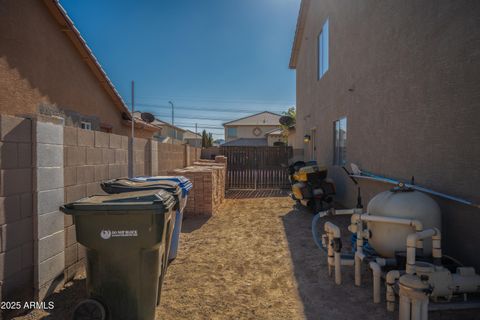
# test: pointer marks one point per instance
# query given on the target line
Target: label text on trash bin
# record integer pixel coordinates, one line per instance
(107, 234)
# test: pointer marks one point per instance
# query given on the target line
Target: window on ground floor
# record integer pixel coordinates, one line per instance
(340, 142)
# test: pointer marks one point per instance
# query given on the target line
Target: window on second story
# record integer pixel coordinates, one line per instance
(86, 125)
(340, 142)
(232, 132)
(323, 50)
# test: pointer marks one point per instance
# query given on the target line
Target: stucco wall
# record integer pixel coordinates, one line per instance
(406, 75)
(272, 139)
(247, 132)
(41, 69)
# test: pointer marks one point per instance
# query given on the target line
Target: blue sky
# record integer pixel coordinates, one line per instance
(217, 60)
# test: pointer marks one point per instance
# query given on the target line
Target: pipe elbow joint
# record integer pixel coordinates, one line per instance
(418, 225)
(376, 269)
(392, 276)
(333, 229)
(355, 218)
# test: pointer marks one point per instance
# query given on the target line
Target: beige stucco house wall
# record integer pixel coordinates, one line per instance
(406, 75)
(252, 127)
(45, 69)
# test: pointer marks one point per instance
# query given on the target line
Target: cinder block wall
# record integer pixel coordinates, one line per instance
(90, 158)
(44, 164)
(16, 223)
(170, 156)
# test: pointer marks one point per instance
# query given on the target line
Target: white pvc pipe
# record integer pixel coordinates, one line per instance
(412, 241)
(372, 218)
(404, 308)
(416, 309)
(390, 279)
(425, 309)
(358, 268)
(357, 220)
(377, 272)
(338, 270)
(334, 257)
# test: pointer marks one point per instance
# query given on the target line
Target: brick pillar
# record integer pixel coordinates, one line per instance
(48, 221)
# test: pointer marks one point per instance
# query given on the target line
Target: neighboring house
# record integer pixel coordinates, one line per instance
(171, 132)
(394, 87)
(275, 137)
(192, 138)
(166, 133)
(251, 130)
(47, 69)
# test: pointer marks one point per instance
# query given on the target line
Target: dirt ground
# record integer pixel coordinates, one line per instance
(254, 260)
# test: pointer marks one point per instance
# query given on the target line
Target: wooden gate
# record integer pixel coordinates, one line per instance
(257, 167)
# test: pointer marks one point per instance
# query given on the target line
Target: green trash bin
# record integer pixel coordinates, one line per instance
(125, 236)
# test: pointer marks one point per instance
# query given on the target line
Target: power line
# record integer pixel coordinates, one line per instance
(216, 99)
(205, 108)
(194, 117)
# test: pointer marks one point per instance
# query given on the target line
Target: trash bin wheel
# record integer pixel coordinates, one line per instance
(89, 309)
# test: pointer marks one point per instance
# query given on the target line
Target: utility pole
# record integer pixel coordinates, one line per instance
(132, 153)
(196, 132)
(173, 121)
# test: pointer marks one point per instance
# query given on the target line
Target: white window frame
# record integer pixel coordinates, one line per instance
(86, 125)
(323, 50)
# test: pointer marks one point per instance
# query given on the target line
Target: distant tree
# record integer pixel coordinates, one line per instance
(207, 139)
(292, 113)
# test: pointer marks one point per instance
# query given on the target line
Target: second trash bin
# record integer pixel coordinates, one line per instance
(157, 182)
(123, 234)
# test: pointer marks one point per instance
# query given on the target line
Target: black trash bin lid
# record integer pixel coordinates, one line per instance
(127, 185)
(146, 200)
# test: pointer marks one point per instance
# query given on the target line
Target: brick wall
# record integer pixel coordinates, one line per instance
(208, 179)
(16, 223)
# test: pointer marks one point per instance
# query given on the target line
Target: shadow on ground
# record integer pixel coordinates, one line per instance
(252, 194)
(191, 224)
(321, 298)
(64, 302)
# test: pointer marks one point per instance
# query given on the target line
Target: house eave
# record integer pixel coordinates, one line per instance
(297, 41)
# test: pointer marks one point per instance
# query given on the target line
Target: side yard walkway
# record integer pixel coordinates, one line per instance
(236, 265)
(254, 260)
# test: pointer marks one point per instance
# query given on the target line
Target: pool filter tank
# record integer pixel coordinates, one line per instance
(388, 238)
